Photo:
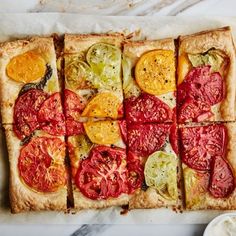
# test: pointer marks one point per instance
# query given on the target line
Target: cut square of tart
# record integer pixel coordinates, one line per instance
(38, 174)
(99, 166)
(28, 75)
(149, 81)
(206, 77)
(208, 157)
(153, 165)
(93, 83)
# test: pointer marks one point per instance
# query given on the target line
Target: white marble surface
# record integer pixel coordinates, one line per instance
(115, 7)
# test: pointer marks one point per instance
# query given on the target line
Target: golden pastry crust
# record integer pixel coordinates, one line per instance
(9, 89)
(201, 199)
(75, 43)
(22, 198)
(220, 39)
(81, 202)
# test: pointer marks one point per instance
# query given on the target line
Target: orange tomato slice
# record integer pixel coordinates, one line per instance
(184, 67)
(26, 67)
(103, 105)
(155, 72)
(102, 132)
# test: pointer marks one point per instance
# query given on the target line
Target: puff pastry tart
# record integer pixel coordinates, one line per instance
(149, 81)
(208, 157)
(99, 165)
(206, 77)
(93, 82)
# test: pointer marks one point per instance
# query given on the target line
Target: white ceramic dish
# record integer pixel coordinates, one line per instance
(217, 222)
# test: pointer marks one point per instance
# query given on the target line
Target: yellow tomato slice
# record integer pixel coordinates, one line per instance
(155, 72)
(184, 67)
(102, 132)
(103, 105)
(26, 67)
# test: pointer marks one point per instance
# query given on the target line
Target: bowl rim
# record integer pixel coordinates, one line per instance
(217, 218)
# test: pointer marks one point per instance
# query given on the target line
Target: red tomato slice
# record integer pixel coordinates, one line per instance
(147, 108)
(51, 115)
(222, 178)
(103, 174)
(195, 111)
(25, 112)
(145, 139)
(202, 85)
(123, 129)
(135, 172)
(200, 144)
(41, 164)
(174, 138)
(73, 106)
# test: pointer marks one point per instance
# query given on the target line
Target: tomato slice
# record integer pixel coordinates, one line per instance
(103, 105)
(155, 72)
(102, 132)
(200, 144)
(135, 172)
(195, 111)
(26, 112)
(174, 138)
(147, 108)
(51, 115)
(26, 67)
(221, 179)
(202, 85)
(103, 174)
(73, 106)
(145, 139)
(41, 164)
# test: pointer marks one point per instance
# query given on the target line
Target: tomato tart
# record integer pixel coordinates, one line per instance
(206, 77)
(28, 75)
(153, 166)
(99, 165)
(38, 174)
(208, 162)
(149, 81)
(93, 83)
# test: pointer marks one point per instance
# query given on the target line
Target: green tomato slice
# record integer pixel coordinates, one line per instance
(79, 75)
(161, 173)
(105, 61)
(214, 58)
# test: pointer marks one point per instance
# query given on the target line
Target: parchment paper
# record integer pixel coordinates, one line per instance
(153, 27)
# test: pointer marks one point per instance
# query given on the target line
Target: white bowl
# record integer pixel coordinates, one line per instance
(216, 220)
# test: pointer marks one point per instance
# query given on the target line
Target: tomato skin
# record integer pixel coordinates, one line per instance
(51, 117)
(174, 138)
(25, 117)
(222, 182)
(135, 172)
(41, 164)
(123, 129)
(144, 139)
(73, 106)
(200, 144)
(147, 108)
(103, 174)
